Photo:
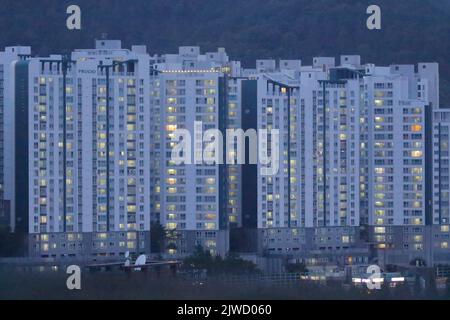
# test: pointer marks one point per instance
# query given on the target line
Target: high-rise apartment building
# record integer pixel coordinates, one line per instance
(401, 100)
(313, 201)
(8, 61)
(441, 167)
(440, 218)
(353, 155)
(82, 151)
(87, 155)
(196, 202)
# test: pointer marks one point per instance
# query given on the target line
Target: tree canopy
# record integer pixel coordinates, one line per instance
(412, 30)
(215, 265)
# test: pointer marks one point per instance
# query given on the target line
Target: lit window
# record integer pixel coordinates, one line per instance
(172, 190)
(171, 226)
(379, 103)
(131, 235)
(210, 226)
(416, 154)
(171, 127)
(171, 181)
(380, 230)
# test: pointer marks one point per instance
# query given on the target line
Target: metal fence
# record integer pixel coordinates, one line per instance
(280, 279)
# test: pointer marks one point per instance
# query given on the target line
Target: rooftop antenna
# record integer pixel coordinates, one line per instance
(104, 36)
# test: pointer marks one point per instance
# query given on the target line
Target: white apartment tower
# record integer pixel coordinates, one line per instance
(353, 152)
(398, 101)
(87, 151)
(86, 161)
(441, 167)
(194, 202)
(314, 198)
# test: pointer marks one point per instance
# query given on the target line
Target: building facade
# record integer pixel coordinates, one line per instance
(86, 125)
(87, 160)
(355, 146)
(312, 203)
(8, 61)
(196, 201)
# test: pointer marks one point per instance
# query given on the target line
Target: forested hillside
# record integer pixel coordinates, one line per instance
(412, 30)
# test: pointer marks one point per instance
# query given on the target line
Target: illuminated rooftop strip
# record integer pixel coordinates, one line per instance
(191, 71)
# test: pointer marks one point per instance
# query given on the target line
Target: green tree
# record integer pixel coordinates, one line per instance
(231, 264)
(157, 237)
(296, 268)
(200, 259)
(11, 244)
